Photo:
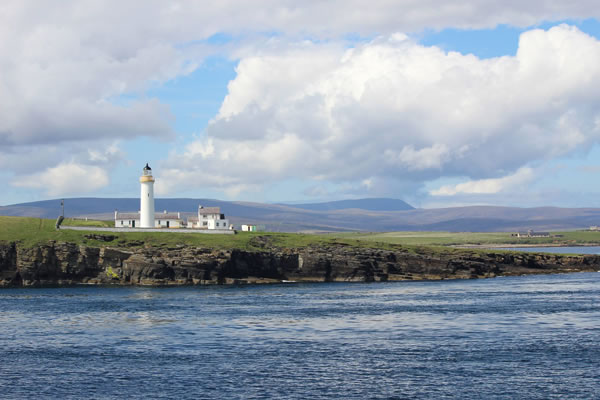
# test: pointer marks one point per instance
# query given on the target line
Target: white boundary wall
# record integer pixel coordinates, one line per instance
(161, 230)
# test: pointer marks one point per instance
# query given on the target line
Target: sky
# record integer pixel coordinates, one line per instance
(437, 103)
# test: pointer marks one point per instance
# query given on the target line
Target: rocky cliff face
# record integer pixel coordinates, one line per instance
(67, 263)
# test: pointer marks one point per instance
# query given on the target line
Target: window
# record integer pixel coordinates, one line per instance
(205, 223)
(121, 222)
(217, 224)
(204, 216)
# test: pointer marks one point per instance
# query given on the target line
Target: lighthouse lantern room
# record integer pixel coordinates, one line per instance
(147, 198)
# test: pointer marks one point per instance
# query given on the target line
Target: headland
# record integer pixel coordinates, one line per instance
(39, 255)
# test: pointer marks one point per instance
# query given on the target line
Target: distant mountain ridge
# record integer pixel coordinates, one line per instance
(344, 215)
(372, 204)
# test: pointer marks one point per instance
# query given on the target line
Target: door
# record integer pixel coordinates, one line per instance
(133, 224)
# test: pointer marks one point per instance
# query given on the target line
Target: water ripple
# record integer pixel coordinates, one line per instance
(510, 338)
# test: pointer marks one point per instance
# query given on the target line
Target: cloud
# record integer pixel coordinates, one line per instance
(488, 186)
(425, 158)
(76, 76)
(66, 179)
(394, 110)
(62, 66)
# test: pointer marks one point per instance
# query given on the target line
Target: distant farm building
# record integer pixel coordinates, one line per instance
(531, 234)
(249, 228)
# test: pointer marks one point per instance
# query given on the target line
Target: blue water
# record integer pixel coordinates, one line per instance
(535, 337)
(558, 250)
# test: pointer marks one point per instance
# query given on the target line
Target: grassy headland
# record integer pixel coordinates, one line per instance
(32, 231)
(29, 232)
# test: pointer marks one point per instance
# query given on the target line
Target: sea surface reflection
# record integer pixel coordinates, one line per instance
(534, 337)
(557, 249)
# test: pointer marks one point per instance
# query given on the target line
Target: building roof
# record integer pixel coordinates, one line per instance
(209, 210)
(192, 219)
(127, 215)
(136, 215)
(166, 216)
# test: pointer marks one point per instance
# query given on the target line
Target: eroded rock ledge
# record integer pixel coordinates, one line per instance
(68, 263)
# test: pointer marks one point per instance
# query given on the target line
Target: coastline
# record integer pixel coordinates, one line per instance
(523, 245)
(63, 263)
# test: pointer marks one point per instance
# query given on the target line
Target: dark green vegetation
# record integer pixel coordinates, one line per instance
(32, 231)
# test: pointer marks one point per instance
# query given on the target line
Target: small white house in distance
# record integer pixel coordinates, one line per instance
(208, 218)
(127, 220)
(248, 228)
(161, 220)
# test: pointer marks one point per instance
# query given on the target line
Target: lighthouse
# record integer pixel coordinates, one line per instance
(147, 198)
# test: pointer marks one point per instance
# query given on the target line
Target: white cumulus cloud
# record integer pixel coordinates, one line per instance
(76, 74)
(396, 110)
(488, 186)
(67, 178)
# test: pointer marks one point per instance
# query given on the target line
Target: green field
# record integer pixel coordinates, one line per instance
(473, 238)
(31, 231)
(85, 222)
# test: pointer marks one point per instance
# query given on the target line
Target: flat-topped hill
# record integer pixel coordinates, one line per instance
(373, 215)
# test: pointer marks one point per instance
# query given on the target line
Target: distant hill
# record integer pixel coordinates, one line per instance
(348, 215)
(374, 204)
(94, 205)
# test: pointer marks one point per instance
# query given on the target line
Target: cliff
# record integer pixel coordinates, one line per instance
(67, 263)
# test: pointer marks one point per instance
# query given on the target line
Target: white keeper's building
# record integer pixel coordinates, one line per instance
(208, 218)
(161, 220)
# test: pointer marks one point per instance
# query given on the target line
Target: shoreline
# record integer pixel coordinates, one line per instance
(70, 263)
(524, 246)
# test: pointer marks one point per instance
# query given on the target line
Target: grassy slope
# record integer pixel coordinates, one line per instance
(85, 222)
(31, 231)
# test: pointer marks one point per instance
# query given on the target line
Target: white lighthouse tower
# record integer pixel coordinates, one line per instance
(147, 198)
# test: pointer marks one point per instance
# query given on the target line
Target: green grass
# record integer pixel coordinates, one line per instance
(472, 238)
(85, 222)
(31, 231)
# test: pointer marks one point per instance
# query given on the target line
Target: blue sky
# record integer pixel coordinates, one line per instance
(489, 104)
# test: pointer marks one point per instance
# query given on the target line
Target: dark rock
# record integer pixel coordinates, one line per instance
(100, 237)
(67, 263)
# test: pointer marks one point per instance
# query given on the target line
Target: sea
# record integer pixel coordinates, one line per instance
(557, 249)
(553, 249)
(525, 337)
